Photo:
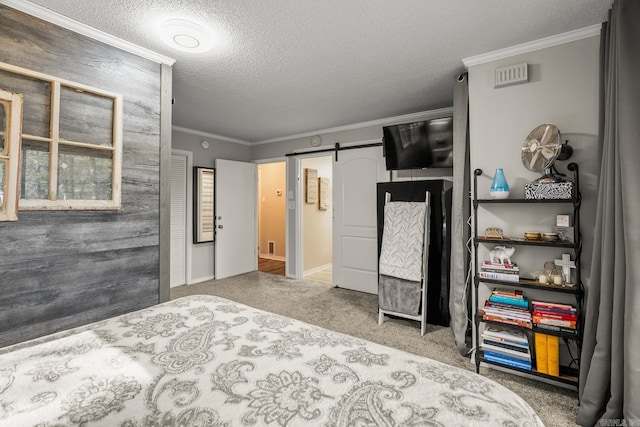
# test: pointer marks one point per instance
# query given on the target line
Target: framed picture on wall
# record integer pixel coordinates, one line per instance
(311, 185)
(203, 205)
(325, 193)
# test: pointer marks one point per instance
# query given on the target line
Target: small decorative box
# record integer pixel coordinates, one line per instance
(550, 190)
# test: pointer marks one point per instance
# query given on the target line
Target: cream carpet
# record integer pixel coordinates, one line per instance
(355, 313)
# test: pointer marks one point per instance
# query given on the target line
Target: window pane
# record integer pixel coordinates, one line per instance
(3, 125)
(34, 183)
(84, 174)
(3, 169)
(85, 117)
(36, 107)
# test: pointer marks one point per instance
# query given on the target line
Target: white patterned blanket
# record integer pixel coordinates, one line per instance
(208, 361)
(402, 240)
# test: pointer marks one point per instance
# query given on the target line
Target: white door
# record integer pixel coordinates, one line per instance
(178, 233)
(355, 245)
(235, 240)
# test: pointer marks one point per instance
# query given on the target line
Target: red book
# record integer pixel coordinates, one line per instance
(507, 321)
(558, 316)
(554, 310)
(507, 293)
(552, 305)
(554, 322)
(505, 306)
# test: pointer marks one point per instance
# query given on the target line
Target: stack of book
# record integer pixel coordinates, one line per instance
(506, 347)
(507, 306)
(555, 317)
(499, 271)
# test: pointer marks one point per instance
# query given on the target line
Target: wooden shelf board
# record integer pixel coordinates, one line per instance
(565, 377)
(523, 241)
(532, 284)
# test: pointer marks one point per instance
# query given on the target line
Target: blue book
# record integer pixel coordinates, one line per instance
(505, 357)
(512, 301)
(506, 362)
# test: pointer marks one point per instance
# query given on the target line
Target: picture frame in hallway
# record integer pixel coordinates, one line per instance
(311, 185)
(324, 193)
(203, 205)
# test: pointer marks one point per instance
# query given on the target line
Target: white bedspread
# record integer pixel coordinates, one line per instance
(207, 361)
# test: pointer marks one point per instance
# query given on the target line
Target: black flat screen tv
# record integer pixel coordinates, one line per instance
(419, 145)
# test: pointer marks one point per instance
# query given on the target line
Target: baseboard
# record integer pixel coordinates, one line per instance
(200, 279)
(317, 269)
(272, 257)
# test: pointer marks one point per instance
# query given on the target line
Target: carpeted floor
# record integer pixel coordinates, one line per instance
(355, 313)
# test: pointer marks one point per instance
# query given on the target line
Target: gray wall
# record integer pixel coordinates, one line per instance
(218, 148)
(202, 254)
(366, 134)
(60, 269)
(563, 90)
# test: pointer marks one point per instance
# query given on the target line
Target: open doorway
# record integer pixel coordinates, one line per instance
(317, 219)
(272, 218)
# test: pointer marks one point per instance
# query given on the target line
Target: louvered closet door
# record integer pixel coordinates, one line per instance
(178, 219)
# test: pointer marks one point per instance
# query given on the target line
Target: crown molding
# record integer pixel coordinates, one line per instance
(413, 117)
(210, 135)
(546, 42)
(80, 28)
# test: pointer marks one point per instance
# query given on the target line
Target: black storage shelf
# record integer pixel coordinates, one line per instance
(569, 376)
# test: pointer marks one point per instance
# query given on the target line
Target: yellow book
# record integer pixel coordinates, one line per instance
(553, 355)
(541, 352)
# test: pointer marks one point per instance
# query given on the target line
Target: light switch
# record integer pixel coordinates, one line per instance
(563, 220)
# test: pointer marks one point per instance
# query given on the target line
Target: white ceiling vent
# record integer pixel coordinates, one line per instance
(511, 75)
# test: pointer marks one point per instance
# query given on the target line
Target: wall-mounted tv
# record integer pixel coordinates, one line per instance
(419, 145)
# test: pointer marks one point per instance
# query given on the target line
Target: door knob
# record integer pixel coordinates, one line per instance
(220, 226)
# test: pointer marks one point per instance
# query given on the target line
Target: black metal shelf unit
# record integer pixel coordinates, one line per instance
(568, 375)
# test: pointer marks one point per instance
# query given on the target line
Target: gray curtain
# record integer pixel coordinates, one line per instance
(460, 213)
(610, 360)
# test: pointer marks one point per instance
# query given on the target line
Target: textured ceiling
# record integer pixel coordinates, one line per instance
(296, 66)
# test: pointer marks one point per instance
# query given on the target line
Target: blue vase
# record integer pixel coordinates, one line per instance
(499, 187)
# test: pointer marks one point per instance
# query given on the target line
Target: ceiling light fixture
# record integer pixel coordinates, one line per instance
(186, 36)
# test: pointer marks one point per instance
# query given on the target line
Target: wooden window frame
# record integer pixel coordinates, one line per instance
(11, 155)
(55, 142)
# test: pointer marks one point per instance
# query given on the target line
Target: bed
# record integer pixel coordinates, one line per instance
(208, 361)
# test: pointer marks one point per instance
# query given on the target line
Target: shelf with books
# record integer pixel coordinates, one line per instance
(546, 316)
(532, 284)
(572, 335)
(567, 375)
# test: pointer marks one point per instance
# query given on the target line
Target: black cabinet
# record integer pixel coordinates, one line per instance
(569, 374)
(440, 242)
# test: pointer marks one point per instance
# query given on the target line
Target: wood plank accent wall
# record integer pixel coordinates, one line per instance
(61, 269)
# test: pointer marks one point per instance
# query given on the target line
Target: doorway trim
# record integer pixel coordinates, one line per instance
(299, 204)
(287, 248)
(189, 214)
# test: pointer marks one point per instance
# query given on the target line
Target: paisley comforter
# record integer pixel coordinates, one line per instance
(208, 361)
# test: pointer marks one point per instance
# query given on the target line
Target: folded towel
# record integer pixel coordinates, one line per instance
(399, 295)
